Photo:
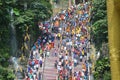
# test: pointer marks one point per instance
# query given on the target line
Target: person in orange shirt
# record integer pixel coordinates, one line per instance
(52, 44)
(83, 67)
(68, 29)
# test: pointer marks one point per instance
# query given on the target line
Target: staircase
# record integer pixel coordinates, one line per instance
(50, 72)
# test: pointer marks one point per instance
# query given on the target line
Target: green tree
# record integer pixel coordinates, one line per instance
(37, 10)
(25, 13)
(5, 73)
(100, 37)
(100, 32)
(99, 23)
(102, 69)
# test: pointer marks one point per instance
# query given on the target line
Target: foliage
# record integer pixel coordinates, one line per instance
(36, 10)
(102, 69)
(100, 36)
(100, 32)
(4, 32)
(25, 13)
(107, 75)
(6, 74)
(99, 23)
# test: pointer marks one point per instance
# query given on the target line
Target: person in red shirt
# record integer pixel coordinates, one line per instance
(36, 61)
(31, 71)
(28, 78)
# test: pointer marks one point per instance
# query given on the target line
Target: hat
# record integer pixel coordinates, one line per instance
(69, 9)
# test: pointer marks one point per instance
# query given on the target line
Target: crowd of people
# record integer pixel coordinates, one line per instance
(74, 24)
(71, 27)
(38, 53)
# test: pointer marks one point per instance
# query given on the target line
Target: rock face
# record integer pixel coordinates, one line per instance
(18, 69)
(19, 75)
(13, 41)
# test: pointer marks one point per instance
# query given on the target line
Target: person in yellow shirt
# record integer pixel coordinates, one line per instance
(78, 29)
(41, 51)
(58, 36)
(73, 31)
(82, 38)
(82, 52)
(83, 67)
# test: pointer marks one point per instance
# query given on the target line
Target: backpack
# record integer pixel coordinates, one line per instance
(40, 62)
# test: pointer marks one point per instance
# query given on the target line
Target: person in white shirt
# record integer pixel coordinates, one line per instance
(81, 58)
(48, 53)
(75, 62)
(40, 58)
(59, 63)
(70, 69)
(59, 68)
(34, 70)
(66, 57)
(65, 48)
(34, 51)
(31, 79)
(34, 76)
(60, 56)
(37, 66)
